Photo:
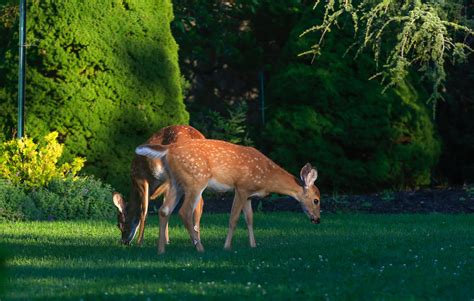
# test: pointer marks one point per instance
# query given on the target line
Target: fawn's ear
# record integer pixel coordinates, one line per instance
(118, 202)
(308, 175)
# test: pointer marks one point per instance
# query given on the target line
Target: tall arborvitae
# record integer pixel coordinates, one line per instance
(103, 73)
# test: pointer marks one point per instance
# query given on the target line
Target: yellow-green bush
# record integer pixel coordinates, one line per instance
(24, 162)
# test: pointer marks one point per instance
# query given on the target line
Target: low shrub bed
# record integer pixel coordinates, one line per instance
(61, 199)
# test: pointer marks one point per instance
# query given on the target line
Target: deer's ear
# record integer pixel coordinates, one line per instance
(308, 175)
(118, 202)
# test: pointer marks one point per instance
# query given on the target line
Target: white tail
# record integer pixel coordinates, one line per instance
(150, 152)
(194, 165)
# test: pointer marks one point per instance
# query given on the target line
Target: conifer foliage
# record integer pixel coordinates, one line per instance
(102, 73)
(401, 34)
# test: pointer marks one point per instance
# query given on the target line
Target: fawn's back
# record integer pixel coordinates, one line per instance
(220, 164)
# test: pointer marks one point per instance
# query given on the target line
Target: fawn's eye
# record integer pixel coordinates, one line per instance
(316, 202)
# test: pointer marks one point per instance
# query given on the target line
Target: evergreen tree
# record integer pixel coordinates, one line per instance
(330, 114)
(103, 73)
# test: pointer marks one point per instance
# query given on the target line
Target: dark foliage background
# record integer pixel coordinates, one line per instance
(456, 126)
(326, 111)
(105, 75)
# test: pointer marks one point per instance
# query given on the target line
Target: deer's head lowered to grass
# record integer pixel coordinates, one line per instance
(194, 165)
(128, 227)
(310, 196)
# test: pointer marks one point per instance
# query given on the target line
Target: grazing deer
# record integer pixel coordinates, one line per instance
(194, 165)
(148, 176)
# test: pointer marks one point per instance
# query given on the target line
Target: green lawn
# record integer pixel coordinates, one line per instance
(365, 257)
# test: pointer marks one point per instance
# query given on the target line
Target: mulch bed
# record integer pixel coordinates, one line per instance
(448, 200)
(451, 200)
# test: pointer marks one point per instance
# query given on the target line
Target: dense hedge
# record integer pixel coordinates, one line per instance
(330, 114)
(104, 74)
(61, 199)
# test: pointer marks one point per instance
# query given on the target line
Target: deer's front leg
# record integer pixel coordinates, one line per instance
(248, 213)
(237, 205)
(142, 190)
(186, 214)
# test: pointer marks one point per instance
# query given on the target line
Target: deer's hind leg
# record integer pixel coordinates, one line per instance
(162, 189)
(191, 201)
(170, 201)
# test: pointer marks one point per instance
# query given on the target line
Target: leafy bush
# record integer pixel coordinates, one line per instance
(104, 74)
(61, 199)
(330, 114)
(22, 161)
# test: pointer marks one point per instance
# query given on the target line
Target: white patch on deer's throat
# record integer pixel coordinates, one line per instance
(158, 172)
(165, 211)
(215, 185)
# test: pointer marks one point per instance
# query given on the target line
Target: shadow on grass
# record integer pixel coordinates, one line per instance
(294, 259)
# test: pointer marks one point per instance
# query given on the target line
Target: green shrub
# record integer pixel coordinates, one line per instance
(15, 203)
(22, 161)
(61, 199)
(330, 114)
(104, 74)
(80, 198)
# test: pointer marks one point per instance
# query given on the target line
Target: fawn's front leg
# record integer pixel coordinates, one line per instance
(197, 217)
(248, 213)
(239, 201)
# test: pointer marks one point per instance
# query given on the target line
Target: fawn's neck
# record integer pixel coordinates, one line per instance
(283, 182)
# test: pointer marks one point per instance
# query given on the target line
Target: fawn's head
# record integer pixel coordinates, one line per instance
(127, 221)
(310, 196)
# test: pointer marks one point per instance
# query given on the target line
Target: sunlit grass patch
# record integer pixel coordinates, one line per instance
(345, 257)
